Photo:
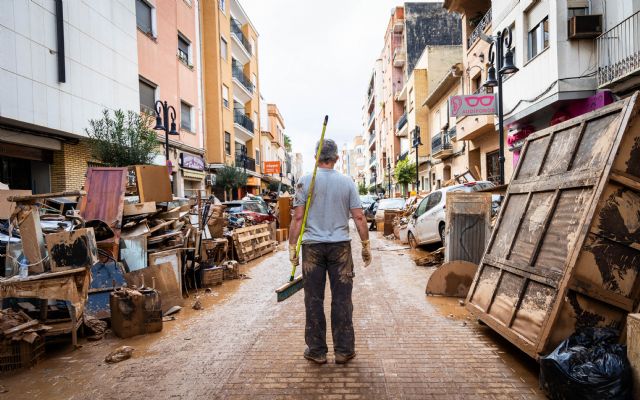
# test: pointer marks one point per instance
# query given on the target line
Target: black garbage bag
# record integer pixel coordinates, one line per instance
(589, 365)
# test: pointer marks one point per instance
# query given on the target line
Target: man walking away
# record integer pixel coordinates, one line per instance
(326, 250)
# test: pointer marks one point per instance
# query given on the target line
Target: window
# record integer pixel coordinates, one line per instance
(573, 11)
(227, 143)
(257, 157)
(184, 49)
(143, 16)
(223, 48)
(221, 4)
(434, 199)
(185, 116)
(476, 83)
(147, 96)
(422, 207)
(225, 96)
(538, 38)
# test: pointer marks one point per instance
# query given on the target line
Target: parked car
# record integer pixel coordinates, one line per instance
(250, 209)
(367, 200)
(397, 203)
(427, 224)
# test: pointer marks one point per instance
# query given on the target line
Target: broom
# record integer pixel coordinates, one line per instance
(296, 283)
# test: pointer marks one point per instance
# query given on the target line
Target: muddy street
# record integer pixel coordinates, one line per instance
(245, 345)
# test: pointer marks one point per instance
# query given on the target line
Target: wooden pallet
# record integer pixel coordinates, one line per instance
(252, 242)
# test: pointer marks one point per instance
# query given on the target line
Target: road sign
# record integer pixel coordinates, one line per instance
(474, 104)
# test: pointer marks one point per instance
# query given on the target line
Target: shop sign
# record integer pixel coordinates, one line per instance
(190, 161)
(271, 167)
(474, 104)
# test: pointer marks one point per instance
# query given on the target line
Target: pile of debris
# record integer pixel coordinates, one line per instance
(72, 252)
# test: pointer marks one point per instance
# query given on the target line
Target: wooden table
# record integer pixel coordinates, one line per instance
(71, 285)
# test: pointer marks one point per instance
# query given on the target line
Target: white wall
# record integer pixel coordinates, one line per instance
(566, 65)
(100, 61)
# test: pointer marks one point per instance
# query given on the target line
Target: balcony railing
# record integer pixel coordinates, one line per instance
(372, 138)
(372, 160)
(236, 30)
(479, 29)
(371, 117)
(401, 121)
(243, 120)
(619, 51)
(250, 162)
(237, 73)
(440, 142)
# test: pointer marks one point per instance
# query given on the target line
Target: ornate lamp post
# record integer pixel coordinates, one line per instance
(163, 112)
(504, 62)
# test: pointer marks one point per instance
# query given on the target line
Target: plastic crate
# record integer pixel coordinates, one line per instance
(16, 355)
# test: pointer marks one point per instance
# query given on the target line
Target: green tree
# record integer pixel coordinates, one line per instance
(287, 143)
(362, 188)
(405, 173)
(230, 178)
(123, 139)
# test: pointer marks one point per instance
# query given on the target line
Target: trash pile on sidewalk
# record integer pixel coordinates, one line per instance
(123, 250)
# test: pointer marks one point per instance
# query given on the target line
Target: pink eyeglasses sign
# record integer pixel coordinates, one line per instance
(474, 104)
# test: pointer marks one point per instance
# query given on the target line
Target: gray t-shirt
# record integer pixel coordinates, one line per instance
(334, 195)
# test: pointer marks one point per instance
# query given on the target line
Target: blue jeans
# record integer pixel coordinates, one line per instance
(318, 260)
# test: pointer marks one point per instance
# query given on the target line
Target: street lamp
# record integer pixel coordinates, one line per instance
(504, 62)
(162, 124)
(243, 154)
(417, 142)
(389, 174)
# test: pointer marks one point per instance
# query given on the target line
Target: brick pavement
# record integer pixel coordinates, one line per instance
(250, 347)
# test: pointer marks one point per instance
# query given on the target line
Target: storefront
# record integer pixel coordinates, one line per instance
(192, 175)
(26, 167)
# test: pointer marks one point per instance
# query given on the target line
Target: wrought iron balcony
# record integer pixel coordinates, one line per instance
(236, 30)
(237, 73)
(619, 51)
(441, 145)
(243, 120)
(482, 25)
(245, 162)
(402, 121)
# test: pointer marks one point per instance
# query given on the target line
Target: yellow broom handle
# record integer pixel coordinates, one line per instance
(309, 194)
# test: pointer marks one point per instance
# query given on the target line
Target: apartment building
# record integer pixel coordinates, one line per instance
(273, 146)
(411, 28)
(297, 170)
(61, 64)
(434, 63)
(169, 61)
(231, 90)
(478, 131)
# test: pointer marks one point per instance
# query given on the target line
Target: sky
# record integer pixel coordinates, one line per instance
(315, 59)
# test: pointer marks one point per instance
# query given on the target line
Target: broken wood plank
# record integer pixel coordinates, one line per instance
(21, 327)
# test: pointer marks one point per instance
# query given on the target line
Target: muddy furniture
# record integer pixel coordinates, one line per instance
(71, 285)
(565, 252)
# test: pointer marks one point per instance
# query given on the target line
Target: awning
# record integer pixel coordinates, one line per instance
(192, 175)
(253, 181)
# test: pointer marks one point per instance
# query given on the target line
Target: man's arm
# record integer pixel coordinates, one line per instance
(296, 225)
(361, 223)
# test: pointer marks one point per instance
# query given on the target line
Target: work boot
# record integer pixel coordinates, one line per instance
(344, 358)
(318, 359)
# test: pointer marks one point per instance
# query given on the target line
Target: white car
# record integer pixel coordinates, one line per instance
(426, 225)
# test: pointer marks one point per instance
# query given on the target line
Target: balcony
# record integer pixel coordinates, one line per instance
(372, 116)
(399, 57)
(619, 53)
(483, 24)
(372, 140)
(398, 26)
(402, 126)
(372, 161)
(441, 145)
(250, 162)
(241, 46)
(243, 125)
(243, 83)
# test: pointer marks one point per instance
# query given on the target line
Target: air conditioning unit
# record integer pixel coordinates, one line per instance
(585, 26)
(210, 180)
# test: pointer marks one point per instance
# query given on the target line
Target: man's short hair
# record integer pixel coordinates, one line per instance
(329, 152)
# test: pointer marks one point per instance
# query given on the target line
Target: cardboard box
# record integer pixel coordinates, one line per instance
(282, 234)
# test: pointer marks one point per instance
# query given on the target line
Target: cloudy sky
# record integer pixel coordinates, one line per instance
(316, 58)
